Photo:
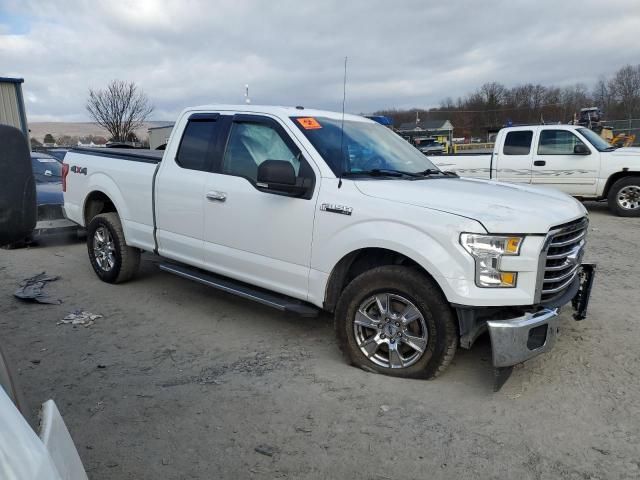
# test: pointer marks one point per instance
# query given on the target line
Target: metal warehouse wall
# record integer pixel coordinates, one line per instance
(11, 104)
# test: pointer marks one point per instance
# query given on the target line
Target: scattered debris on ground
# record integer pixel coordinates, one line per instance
(266, 450)
(80, 317)
(32, 288)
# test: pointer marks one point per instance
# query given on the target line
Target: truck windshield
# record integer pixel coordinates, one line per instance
(366, 148)
(596, 140)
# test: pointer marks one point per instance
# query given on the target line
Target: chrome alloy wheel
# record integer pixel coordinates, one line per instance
(629, 197)
(390, 331)
(104, 249)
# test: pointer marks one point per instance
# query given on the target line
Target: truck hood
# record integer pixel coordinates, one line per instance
(499, 207)
(626, 151)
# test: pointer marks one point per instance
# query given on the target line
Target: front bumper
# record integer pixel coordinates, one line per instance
(515, 340)
(518, 339)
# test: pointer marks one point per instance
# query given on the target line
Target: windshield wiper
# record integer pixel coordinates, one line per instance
(433, 171)
(381, 172)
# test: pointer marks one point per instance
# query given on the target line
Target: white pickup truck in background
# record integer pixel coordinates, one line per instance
(305, 210)
(570, 158)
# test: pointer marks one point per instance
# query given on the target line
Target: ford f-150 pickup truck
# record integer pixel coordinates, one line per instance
(570, 158)
(305, 210)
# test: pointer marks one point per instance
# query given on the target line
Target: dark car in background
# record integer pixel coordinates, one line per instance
(57, 152)
(47, 172)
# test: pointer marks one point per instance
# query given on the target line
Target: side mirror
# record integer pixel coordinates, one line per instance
(278, 176)
(581, 149)
(17, 187)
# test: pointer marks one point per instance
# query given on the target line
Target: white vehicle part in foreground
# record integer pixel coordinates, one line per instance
(24, 456)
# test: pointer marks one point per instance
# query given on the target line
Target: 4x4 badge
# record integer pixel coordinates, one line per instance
(333, 208)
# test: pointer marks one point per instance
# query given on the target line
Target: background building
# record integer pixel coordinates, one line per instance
(12, 104)
(440, 130)
(159, 136)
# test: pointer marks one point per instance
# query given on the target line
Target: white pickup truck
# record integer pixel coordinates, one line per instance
(570, 158)
(307, 210)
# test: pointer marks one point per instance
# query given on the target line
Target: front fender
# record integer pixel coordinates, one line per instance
(440, 257)
(437, 251)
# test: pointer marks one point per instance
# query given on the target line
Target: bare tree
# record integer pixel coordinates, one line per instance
(493, 105)
(626, 88)
(120, 108)
(602, 95)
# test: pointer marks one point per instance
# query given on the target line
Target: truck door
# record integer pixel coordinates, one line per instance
(514, 156)
(252, 235)
(566, 162)
(180, 184)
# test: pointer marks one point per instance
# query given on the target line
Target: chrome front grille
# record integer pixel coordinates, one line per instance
(561, 258)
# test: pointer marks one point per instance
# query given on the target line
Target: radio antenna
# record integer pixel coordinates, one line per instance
(344, 98)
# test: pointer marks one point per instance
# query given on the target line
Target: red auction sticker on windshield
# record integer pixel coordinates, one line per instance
(309, 123)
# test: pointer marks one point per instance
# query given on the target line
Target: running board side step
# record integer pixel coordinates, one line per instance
(265, 297)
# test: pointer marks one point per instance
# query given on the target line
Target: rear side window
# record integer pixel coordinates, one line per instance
(197, 145)
(518, 143)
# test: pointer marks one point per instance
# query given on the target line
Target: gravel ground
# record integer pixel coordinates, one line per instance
(181, 381)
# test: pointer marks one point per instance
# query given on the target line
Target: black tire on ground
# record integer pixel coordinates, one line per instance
(416, 287)
(126, 260)
(620, 187)
(19, 244)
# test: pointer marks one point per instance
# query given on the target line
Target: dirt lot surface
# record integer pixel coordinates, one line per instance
(181, 381)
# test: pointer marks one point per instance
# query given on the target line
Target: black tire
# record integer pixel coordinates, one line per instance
(19, 244)
(424, 294)
(126, 260)
(614, 194)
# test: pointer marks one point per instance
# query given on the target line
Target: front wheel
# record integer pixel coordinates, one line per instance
(111, 258)
(624, 197)
(394, 320)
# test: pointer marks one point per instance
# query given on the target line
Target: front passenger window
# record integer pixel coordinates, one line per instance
(558, 142)
(250, 144)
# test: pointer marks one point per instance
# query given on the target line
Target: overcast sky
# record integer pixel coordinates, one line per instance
(401, 54)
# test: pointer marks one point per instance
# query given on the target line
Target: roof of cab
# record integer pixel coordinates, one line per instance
(279, 111)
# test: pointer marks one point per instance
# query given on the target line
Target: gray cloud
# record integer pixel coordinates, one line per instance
(401, 54)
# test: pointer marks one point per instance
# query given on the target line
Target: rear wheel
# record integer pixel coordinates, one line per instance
(624, 197)
(111, 258)
(394, 320)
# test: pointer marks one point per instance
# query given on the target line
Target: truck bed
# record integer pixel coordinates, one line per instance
(133, 154)
(125, 176)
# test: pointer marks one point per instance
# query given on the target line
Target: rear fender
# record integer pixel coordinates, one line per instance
(99, 182)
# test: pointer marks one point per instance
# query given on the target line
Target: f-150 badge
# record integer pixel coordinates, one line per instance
(333, 208)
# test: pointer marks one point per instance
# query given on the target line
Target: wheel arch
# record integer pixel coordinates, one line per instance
(95, 203)
(359, 261)
(615, 177)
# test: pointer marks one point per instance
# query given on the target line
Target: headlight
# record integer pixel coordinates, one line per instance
(487, 250)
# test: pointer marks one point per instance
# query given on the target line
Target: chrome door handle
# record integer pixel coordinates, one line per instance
(216, 196)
